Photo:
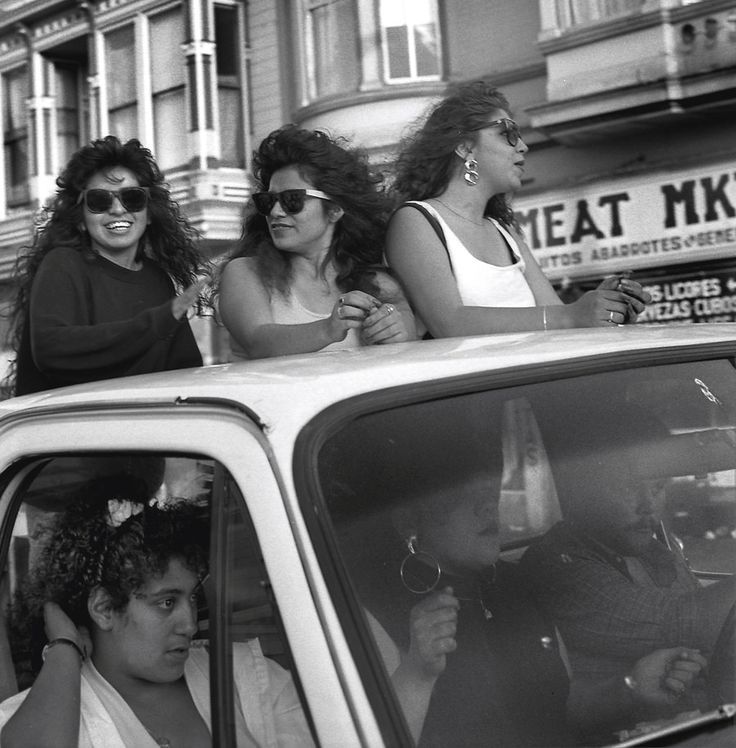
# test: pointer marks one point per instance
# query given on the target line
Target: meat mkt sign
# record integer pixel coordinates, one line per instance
(632, 223)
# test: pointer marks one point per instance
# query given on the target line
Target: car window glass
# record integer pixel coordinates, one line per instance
(478, 478)
(266, 699)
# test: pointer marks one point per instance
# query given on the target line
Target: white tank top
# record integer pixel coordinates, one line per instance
(288, 310)
(480, 283)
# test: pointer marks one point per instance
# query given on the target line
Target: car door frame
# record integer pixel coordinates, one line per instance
(340, 711)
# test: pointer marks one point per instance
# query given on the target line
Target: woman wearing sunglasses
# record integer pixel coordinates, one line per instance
(96, 289)
(307, 274)
(454, 243)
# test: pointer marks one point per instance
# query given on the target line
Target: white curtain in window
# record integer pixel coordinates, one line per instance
(166, 31)
(333, 47)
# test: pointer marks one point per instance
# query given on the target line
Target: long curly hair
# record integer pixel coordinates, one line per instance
(330, 165)
(427, 157)
(87, 548)
(169, 240)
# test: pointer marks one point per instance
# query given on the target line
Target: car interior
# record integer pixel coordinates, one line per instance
(41, 489)
(677, 421)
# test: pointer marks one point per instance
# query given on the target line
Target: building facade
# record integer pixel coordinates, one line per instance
(627, 105)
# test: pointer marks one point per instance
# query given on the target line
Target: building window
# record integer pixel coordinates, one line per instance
(229, 86)
(571, 13)
(168, 87)
(332, 47)
(15, 91)
(72, 109)
(120, 81)
(411, 40)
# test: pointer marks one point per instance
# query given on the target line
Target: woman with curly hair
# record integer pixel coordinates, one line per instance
(117, 587)
(454, 243)
(96, 289)
(307, 274)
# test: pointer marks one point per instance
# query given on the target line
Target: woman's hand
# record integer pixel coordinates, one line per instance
(664, 676)
(636, 297)
(188, 297)
(433, 623)
(349, 312)
(50, 714)
(385, 324)
(57, 624)
(616, 301)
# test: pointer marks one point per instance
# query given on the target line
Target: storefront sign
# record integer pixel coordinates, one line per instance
(686, 299)
(629, 223)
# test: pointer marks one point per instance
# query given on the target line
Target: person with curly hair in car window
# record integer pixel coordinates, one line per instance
(105, 287)
(308, 273)
(117, 589)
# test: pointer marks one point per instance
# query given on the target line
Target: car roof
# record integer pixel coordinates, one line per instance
(294, 388)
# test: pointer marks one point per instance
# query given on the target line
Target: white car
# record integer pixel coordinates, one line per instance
(306, 465)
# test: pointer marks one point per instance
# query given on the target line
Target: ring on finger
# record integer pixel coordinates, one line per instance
(341, 300)
(390, 308)
(339, 311)
(610, 317)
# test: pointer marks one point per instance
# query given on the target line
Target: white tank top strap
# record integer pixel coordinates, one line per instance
(479, 283)
(513, 246)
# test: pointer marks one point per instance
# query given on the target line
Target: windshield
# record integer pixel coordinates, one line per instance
(548, 563)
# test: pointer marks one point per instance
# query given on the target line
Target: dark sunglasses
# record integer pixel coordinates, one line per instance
(510, 129)
(292, 201)
(133, 199)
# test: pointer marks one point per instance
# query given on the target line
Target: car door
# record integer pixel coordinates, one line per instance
(540, 438)
(260, 586)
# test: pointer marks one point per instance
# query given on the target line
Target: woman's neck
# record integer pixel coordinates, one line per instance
(312, 266)
(464, 201)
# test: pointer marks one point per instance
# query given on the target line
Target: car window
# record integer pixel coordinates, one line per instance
(256, 682)
(453, 517)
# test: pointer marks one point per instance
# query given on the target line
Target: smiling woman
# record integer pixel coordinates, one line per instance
(96, 289)
(307, 274)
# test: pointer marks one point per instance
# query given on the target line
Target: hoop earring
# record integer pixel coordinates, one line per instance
(471, 175)
(405, 570)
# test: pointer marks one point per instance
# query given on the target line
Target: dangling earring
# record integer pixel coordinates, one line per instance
(471, 175)
(413, 571)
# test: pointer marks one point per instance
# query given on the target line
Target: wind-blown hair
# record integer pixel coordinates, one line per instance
(427, 157)
(328, 164)
(169, 239)
(89, 547)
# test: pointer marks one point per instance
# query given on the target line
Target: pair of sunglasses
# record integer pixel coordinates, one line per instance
(510, 129)
(133, 199)
(292, 201)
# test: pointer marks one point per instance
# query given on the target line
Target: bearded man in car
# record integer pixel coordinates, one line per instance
(610, 576)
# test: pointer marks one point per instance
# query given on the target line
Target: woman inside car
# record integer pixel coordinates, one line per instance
(307, 274)
(472, 660)
(117, 588)
(464, 264)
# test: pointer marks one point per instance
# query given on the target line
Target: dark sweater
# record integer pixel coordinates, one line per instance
(505, 684)
(91, 319)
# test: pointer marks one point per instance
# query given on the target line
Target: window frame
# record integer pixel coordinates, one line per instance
(16, 194)
(306, 40)
(236, 82)
(411, 48)
(330, 421)
(228, 435)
